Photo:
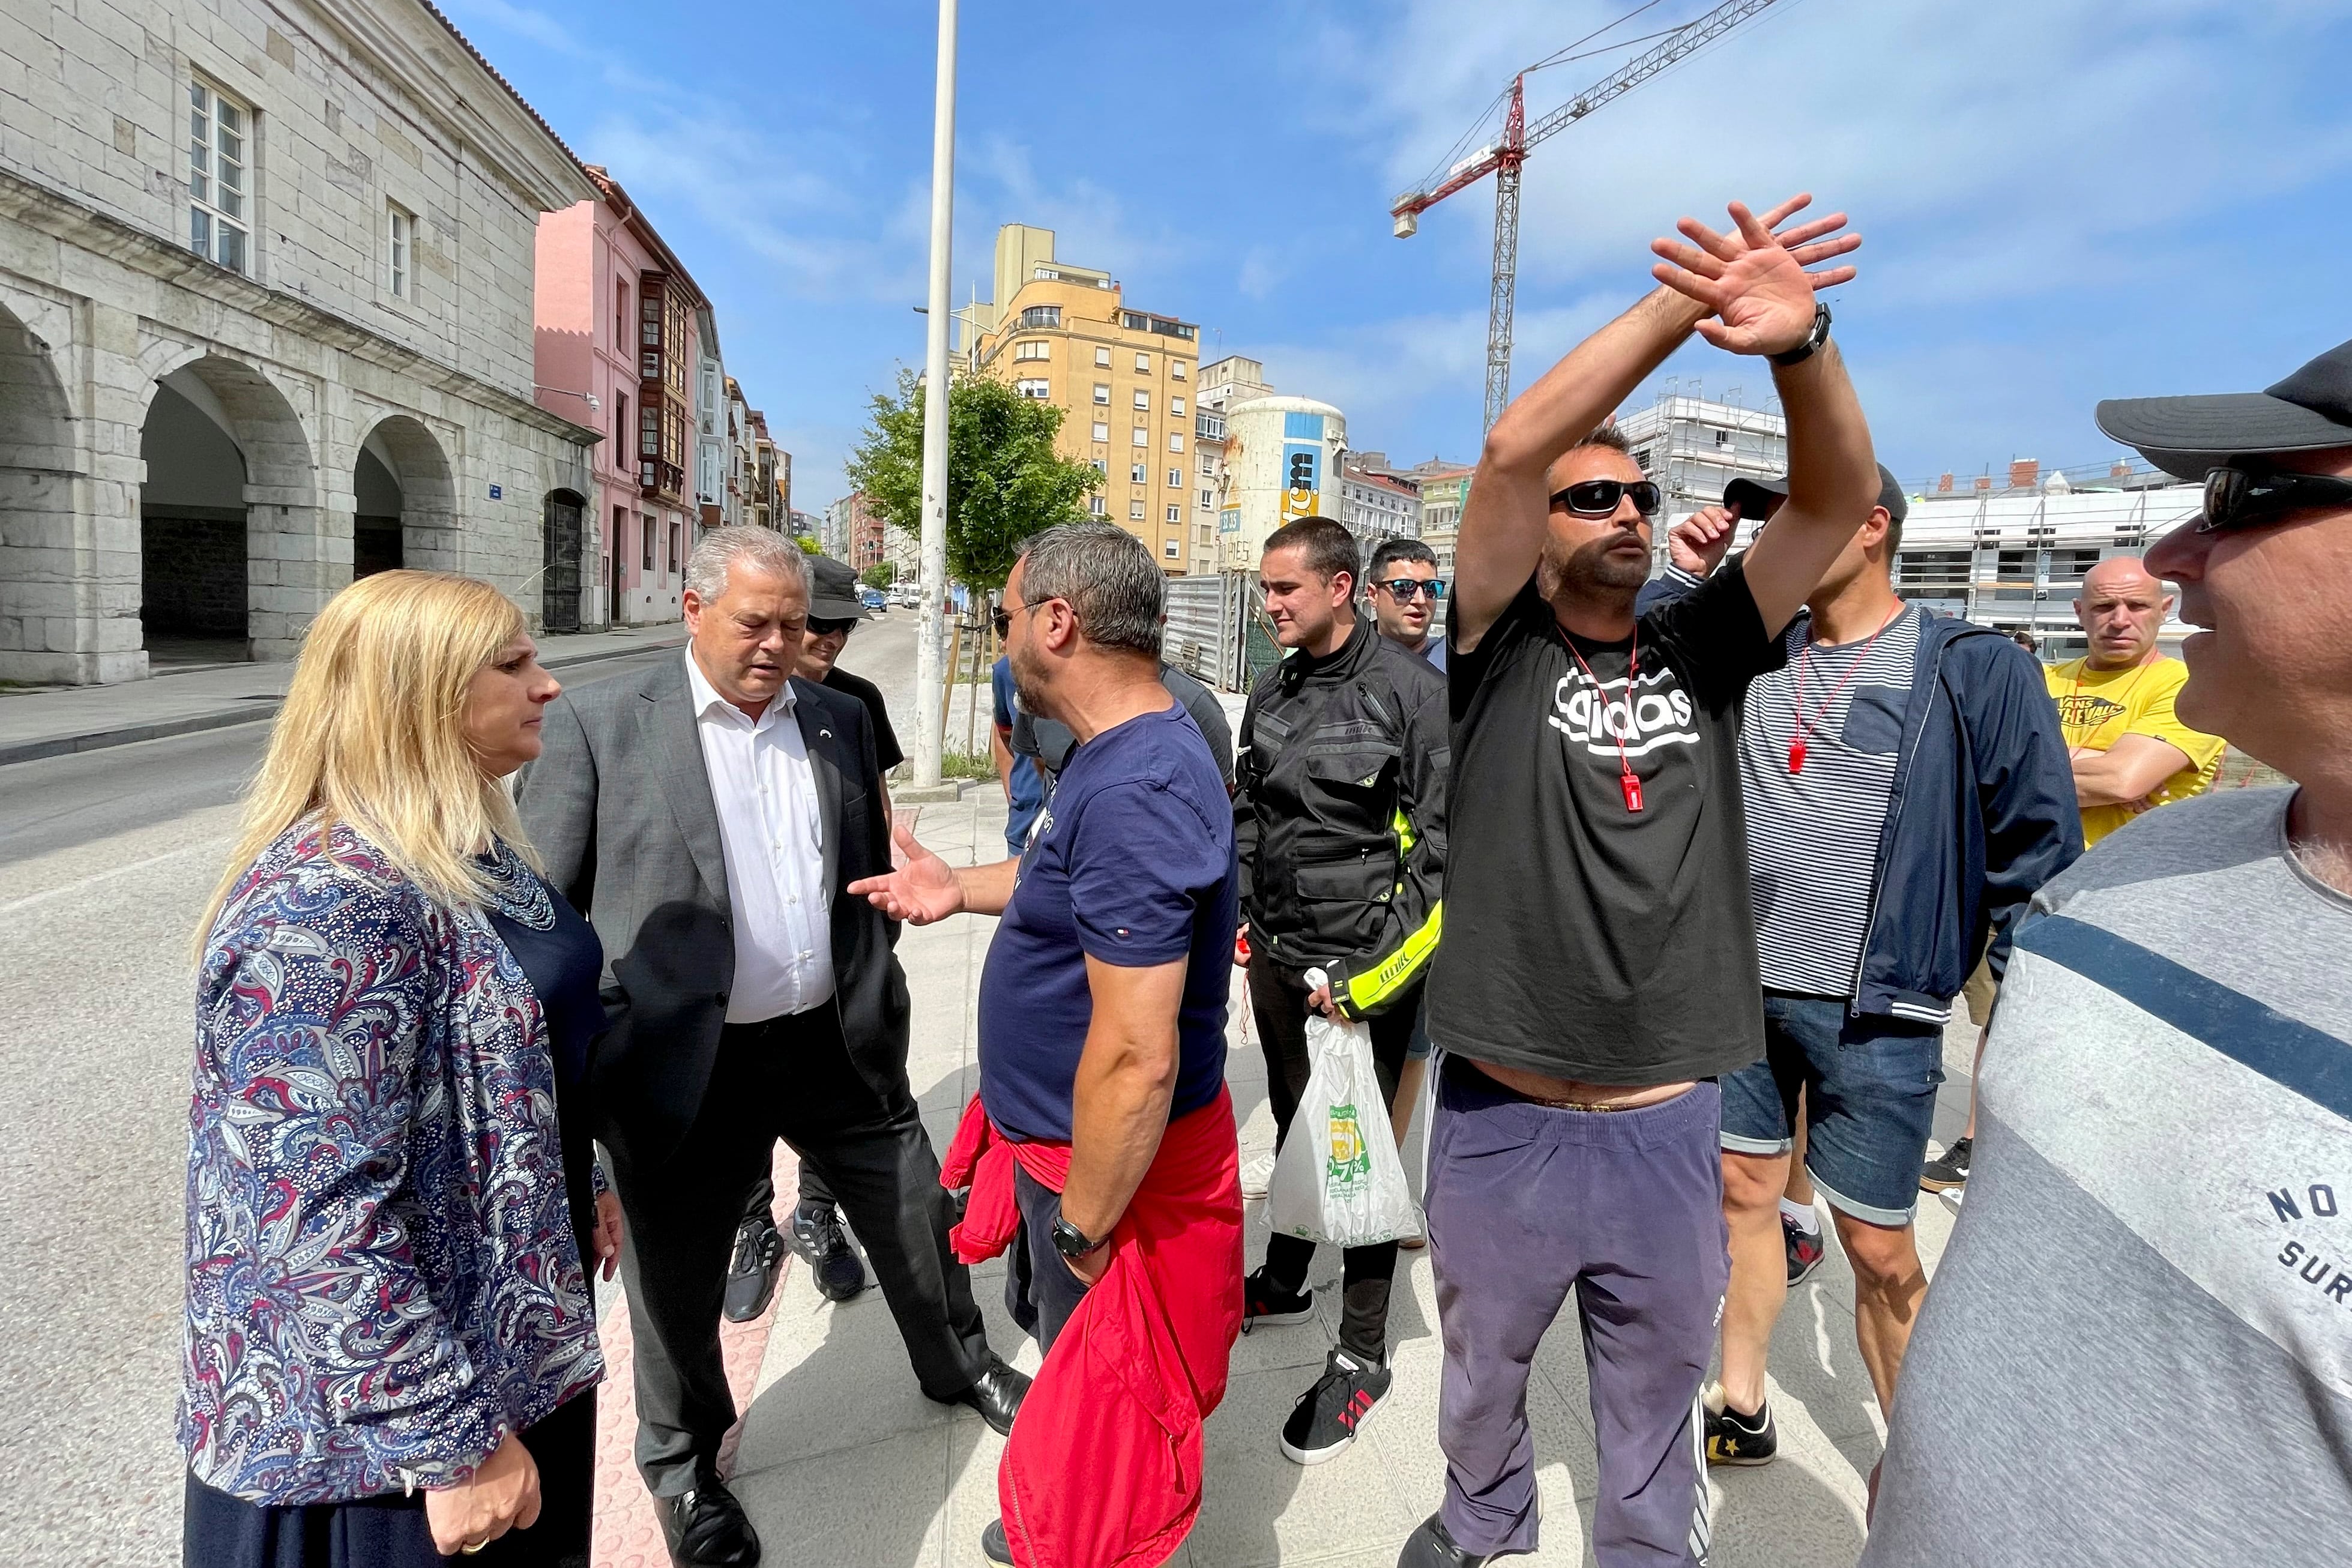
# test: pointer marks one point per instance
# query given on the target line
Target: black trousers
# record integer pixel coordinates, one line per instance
(816, 1193)
(1040, 1291)
(789, 1077)
(1278, 1003)
(218, 1530)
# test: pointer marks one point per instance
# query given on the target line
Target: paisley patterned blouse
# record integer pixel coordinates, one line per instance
(383, 1279)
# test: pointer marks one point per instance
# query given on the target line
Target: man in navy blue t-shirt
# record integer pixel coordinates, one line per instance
(1102, 1021)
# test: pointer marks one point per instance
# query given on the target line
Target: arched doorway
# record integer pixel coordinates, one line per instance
(193, 571)
(281, 561)
(405, 510)
(47, 628)
(560, 585)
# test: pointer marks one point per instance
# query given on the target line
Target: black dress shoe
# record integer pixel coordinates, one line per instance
(1432, 1547)
(997, 1395)
(705, 1527)
(823, 1245)
(751, 1275)
(993, 1544)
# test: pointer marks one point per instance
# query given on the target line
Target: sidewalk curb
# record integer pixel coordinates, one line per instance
(251, 710)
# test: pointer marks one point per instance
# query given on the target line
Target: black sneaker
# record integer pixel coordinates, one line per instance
(1805, 1250)
(752, 1273)
(1329, 1415)
(1949, 1171)
(1735, 1440)
(818, 1239)
(992, 1543)
(1261, 1303)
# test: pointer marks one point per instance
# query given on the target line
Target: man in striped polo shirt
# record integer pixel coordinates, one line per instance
(1907, 790)
(2166, 1121)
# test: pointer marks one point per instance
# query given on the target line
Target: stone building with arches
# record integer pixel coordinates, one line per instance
(266, 322)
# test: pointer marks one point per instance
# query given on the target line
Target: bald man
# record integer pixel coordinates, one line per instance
(2130, 752)
(2115, 703)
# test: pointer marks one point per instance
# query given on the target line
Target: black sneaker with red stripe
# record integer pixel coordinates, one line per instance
(1329, 1415)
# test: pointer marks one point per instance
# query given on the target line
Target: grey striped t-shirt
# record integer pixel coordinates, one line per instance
(1813, 830)
(2138, 1349)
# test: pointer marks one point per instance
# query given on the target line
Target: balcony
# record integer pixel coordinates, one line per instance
(660, 479)
(1208, 425)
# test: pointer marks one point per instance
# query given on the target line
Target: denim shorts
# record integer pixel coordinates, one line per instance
(1869, 1084)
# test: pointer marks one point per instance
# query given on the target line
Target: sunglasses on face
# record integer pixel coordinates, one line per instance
(2249, 498)
(1002, 620)
(1404, 588)
(1599, 498)
(826, 628)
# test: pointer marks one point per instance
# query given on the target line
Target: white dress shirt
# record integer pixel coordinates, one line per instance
(773, 836)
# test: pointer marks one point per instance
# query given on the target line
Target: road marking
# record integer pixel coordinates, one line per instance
(212, 845)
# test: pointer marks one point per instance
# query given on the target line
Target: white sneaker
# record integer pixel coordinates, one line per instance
(1257, 1176)
(1952, 1196)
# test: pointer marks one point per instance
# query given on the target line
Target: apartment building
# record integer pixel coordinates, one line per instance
(1124, 380)
(619, 317)
(1376, 503)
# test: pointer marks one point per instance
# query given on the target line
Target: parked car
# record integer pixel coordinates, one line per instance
(875, 599)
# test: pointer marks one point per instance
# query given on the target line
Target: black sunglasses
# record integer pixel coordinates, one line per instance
(2249, 498)
(1599, 498)
(1402, 588)
(825, 629)
(1003, 621)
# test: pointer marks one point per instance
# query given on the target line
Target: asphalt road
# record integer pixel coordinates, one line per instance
(106, 858)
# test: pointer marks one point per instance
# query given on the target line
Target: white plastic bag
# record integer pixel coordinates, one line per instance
(1338, 1178)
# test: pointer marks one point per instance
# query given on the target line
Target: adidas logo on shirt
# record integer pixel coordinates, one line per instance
(1601, 719)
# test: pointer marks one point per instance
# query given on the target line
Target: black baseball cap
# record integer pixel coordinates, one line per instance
(2308, 412)
(833, 591)
(1757, 498)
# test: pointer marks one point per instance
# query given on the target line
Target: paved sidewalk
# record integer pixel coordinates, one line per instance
(48, 721)
(841, 1458)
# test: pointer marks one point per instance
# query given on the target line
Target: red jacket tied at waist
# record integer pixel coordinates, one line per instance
(1102, 1469)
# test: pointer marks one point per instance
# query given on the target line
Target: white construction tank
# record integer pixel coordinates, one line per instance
(1282, 457)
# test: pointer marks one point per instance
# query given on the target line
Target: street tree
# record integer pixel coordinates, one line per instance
(1005, 481)
(881, 575)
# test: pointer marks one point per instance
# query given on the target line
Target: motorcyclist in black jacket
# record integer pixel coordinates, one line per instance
(1339, 817)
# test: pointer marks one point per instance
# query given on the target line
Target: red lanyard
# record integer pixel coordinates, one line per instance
(1626, 782)
(1796, 741)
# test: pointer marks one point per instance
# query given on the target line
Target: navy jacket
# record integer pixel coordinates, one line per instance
(1982, 814)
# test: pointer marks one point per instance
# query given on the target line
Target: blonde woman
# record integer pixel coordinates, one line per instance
(391, 1352)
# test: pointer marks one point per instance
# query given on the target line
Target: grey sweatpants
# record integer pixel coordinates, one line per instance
(1525, 1203)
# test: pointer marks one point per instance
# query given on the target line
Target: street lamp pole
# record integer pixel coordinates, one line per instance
(929, 654)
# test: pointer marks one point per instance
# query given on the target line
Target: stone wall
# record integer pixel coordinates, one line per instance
(304, 358)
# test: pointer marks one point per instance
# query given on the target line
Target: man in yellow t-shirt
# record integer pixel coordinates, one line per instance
(2114, 704)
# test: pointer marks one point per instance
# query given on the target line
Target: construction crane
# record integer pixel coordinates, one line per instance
(1503, 157)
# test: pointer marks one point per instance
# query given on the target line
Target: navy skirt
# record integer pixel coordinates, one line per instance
(219, 1530)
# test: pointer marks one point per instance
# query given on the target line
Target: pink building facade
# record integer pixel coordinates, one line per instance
(617, 320)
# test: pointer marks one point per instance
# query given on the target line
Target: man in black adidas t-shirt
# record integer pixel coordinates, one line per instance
(1598, 971)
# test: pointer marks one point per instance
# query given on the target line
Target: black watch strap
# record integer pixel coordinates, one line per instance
(1072, 1242)
(1813, 340)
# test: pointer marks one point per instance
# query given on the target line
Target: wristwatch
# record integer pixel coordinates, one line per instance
(1813, 340)
(1071, 1243)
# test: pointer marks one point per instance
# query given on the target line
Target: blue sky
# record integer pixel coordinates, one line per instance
(2061, 200)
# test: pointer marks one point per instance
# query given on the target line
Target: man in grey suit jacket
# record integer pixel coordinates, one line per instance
(707, 820)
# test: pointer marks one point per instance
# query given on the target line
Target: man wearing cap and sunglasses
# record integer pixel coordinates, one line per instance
(1601, 971)
(1907, 789)
(2165, 1113)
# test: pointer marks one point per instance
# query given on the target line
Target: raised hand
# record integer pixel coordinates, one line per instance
(1754, 281)
(923, 890)
(1697, 543)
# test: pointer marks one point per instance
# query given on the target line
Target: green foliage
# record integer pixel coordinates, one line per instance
(881, 575)
(809, 542)
(1004, 479)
